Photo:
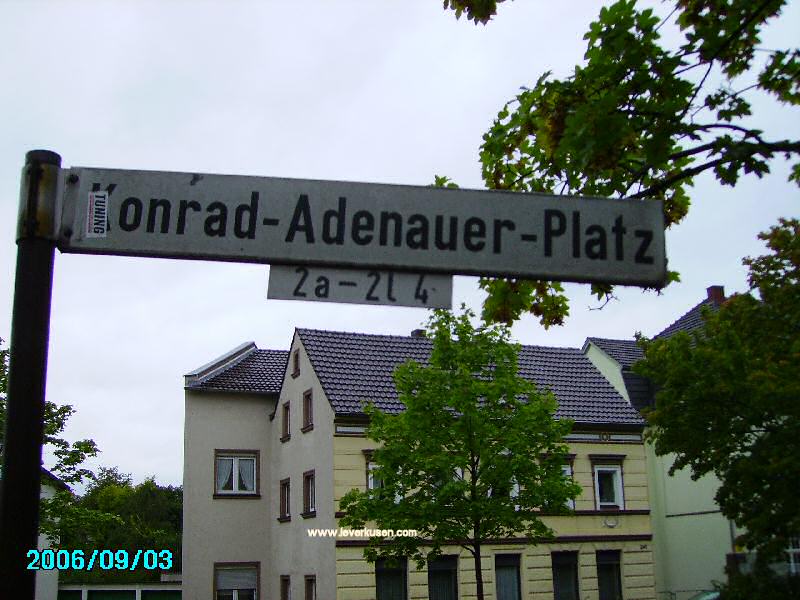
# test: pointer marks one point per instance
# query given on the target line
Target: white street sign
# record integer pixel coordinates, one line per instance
(362, 225)
(360, 286)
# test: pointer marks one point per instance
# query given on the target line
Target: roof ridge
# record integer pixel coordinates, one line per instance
(220, 364)
(704, 302)
(301, 330)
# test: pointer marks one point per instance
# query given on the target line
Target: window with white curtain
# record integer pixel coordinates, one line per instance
(236, 472)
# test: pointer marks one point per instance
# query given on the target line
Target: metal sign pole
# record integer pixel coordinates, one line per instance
(30, 328)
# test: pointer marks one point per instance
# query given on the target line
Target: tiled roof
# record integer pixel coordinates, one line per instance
(628, 352)
(259, 372)
(625, 352)
(689, 321)
(354, 368)
(640, 389)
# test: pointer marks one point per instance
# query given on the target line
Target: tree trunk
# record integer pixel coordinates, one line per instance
(478, 572)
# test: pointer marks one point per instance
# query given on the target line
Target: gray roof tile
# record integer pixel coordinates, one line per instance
(693, 319)
(628, 352)
(355, 368)
(625, 352)
(259, 372)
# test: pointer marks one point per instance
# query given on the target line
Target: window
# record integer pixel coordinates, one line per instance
(567, 471)
(311, 587)
(793, 552)
(609, 577)
(308, 411)
(285, 496)
(514, 492)
(235, 472)
(391, 580)
(236, 581)
(309, 495)
(296, 363)
(286, 587)
(506, 568)
(443, 578)
(373, 481)
(608, 486)
(510, 490)
(286, 433)
(565, 575)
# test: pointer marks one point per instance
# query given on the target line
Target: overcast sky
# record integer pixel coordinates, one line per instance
(376, 91)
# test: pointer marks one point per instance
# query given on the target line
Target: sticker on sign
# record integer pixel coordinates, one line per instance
(364, 226)
(97, 215)
(357, 286)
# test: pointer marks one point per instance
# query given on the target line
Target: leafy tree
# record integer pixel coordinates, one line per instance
(69, 456)
(639, 119)
(475, 456)
(69, 466)
(145, 516)
(727, 400)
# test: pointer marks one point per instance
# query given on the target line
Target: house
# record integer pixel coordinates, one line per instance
(691, 538)
(46, 581)
(274, 439)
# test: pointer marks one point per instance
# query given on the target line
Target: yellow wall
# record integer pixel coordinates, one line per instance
(355, 578)
(349, 469)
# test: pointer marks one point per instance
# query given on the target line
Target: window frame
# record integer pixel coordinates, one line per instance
(296, 363)
(312, 579)
(236, 454)
(309, 495)
(285, 500)
(568, 469)
(445, 558)
(402, 568)
(574, 562)
(218, 566)
(793, 556)
(613, 463)
(308, 411)
(286, 422)
(371, 478)
(285, 591)
(605, 555)
(504, 560)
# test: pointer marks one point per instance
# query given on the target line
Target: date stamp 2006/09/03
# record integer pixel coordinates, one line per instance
(78, 560)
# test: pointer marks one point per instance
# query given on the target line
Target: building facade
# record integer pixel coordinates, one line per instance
(274, 439)
(691, 537)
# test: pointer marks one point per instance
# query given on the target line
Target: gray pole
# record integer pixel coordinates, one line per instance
(30, 329)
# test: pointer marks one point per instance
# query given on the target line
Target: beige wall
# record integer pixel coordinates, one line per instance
(223, 529)
(349, 469)
(356, 577)
(608, 367)
(294, 552)
(356, 580)
(690, 536)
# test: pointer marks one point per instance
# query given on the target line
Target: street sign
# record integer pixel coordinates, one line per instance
(362, 225)
(360, 286)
